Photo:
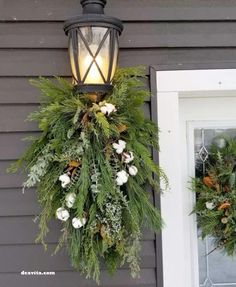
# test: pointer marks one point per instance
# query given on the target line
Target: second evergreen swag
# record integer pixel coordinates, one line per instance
(92, 168)
(216, 196)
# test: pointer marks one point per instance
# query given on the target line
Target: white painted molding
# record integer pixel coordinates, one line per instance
(171, 201)
(196, 80)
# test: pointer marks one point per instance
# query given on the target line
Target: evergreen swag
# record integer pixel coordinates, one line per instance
(92, 167)
(216, 196)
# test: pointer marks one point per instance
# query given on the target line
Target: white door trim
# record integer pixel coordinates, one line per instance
(196, 80)
(180, 258)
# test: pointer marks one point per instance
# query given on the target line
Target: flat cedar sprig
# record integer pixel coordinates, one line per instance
(92, 168)
(216, 196)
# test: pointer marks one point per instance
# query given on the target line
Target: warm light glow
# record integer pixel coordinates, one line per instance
(94, 76)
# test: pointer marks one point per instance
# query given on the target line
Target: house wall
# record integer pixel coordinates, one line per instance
(170, 34)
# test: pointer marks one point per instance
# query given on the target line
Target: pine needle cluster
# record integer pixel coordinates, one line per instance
(77, 139)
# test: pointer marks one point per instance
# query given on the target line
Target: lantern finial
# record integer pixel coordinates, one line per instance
(93, 6)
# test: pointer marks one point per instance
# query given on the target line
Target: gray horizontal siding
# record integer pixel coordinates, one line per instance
(27, 228)
(36, 62)
(21, 208)
(26, 93)
(128, 10)
(148, 35)
(33, 257)
(69, 279)
(44, 62)
(9, 180)
(8, 148)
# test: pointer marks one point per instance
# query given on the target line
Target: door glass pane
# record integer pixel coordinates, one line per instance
(215, 268)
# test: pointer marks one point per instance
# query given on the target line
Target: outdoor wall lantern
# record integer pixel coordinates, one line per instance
(93, 47)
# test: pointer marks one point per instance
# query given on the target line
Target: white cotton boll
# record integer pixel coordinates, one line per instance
(70, 199)
(62, 214)
(128, 157)
(119, 150)
(115, 145)
(107, 109)
(119, 181)
(65, 180)
(122, 174)
(122, 177)
(110, 108)
(78, 222)
(104, 110)
(133, 170)
(120, 146)
(210, 205)
(125, 179)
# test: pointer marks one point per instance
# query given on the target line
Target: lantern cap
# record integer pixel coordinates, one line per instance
(99, 20)
(86, 2)
(93, 15)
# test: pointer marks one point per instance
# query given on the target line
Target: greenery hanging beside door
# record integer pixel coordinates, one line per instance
(92, 169)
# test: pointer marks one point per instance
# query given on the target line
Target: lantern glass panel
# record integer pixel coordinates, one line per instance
(84, 59)
(103, 58)
(73, 60)
(115, 56)
(93, 46)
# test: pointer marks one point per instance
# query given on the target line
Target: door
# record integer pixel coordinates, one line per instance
(192, 107)
(203, 117)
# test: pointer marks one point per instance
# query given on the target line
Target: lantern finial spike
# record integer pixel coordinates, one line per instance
(93, 6)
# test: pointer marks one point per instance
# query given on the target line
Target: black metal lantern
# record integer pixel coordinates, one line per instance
(93, 47)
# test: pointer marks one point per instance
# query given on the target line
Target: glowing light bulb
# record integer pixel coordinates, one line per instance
(94, 76)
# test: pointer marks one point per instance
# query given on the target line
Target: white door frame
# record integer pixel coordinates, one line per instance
(179, 236)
